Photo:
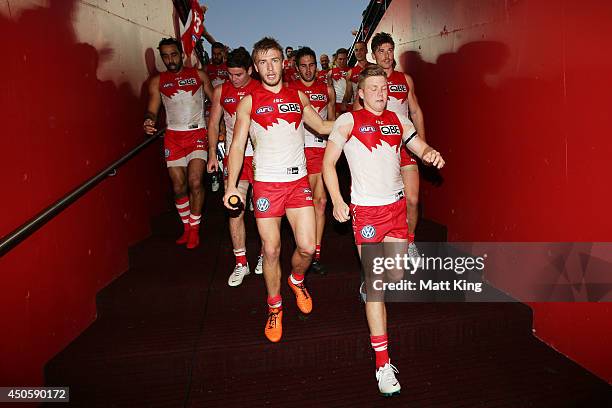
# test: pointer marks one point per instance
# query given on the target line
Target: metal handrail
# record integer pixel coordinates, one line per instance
(375, 7)
(10, 240)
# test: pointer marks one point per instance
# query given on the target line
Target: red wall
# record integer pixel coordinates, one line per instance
(516, 95)
(61, 125)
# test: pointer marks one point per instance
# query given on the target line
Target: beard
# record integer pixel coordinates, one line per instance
(174, 67)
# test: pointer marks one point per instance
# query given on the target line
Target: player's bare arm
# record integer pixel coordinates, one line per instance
(206, 84)
(216, 112)
(331, 104)
(418, 146)
(236, 152)
(415, 110)
(312, 118)
(335, 144)
(152, 107)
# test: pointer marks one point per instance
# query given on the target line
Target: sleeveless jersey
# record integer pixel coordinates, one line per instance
(397, 100)
(217, 74)
(277, 132)
(319, 98)
(372, 151)
(230, 97)
(339, 84)
(182, 94)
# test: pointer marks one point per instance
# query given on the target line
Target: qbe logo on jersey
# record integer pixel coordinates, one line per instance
(318, 97)
(390, 130)
(188, 81)
(368, 232)
(289, 107)
(263, 204)
(397, 88)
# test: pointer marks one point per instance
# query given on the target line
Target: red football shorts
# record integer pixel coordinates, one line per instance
(272, 199)
(182, 146)
(372, 224)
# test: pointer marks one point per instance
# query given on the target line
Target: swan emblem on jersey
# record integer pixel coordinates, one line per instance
(263, 204)
(368, 232)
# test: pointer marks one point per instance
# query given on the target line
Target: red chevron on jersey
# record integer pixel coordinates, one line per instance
(322, 75)
(337, 73)
(231, 96)
(217, 73)
(355, 71)
(398, 86)
(187, 80)
(372, 130)
(269, 108)
(316, 93)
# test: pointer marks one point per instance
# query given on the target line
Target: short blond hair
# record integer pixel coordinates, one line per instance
(266, 44)
(370, 71)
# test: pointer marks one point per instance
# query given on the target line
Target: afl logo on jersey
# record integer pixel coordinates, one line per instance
(229, 100)
(264, 109)
(397, 88)
(387, 130)
(368, 232)
(263, 204)
(188, 81)
(367, 129)
(289, 107)
(318, 97)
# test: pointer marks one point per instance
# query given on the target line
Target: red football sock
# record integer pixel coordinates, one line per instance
(182, 206)
(275, 302)
(240, 255)
(379, 344)
(296, 279)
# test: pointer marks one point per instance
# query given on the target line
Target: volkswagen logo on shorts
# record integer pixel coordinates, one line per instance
(167, 153)
(368, 232)
(263, 204)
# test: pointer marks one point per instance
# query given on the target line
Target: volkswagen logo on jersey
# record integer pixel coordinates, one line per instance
(166, 153)
(263, 204)
(368, 232)
(288, 107)
(367, 129)
(264, 109)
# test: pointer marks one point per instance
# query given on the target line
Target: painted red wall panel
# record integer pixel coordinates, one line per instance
(516, 95)
(61, 125)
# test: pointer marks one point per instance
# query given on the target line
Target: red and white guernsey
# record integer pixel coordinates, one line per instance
(183, 98)
(397, 101)
(230, 97)
(355, 71)
(338, 76)
(217, 74)
(373, 154)
(319, 98)
(277, 132)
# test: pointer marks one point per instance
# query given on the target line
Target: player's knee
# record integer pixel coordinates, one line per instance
(195, 183)
(180, 188)
(307, 250)
(271, 252)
